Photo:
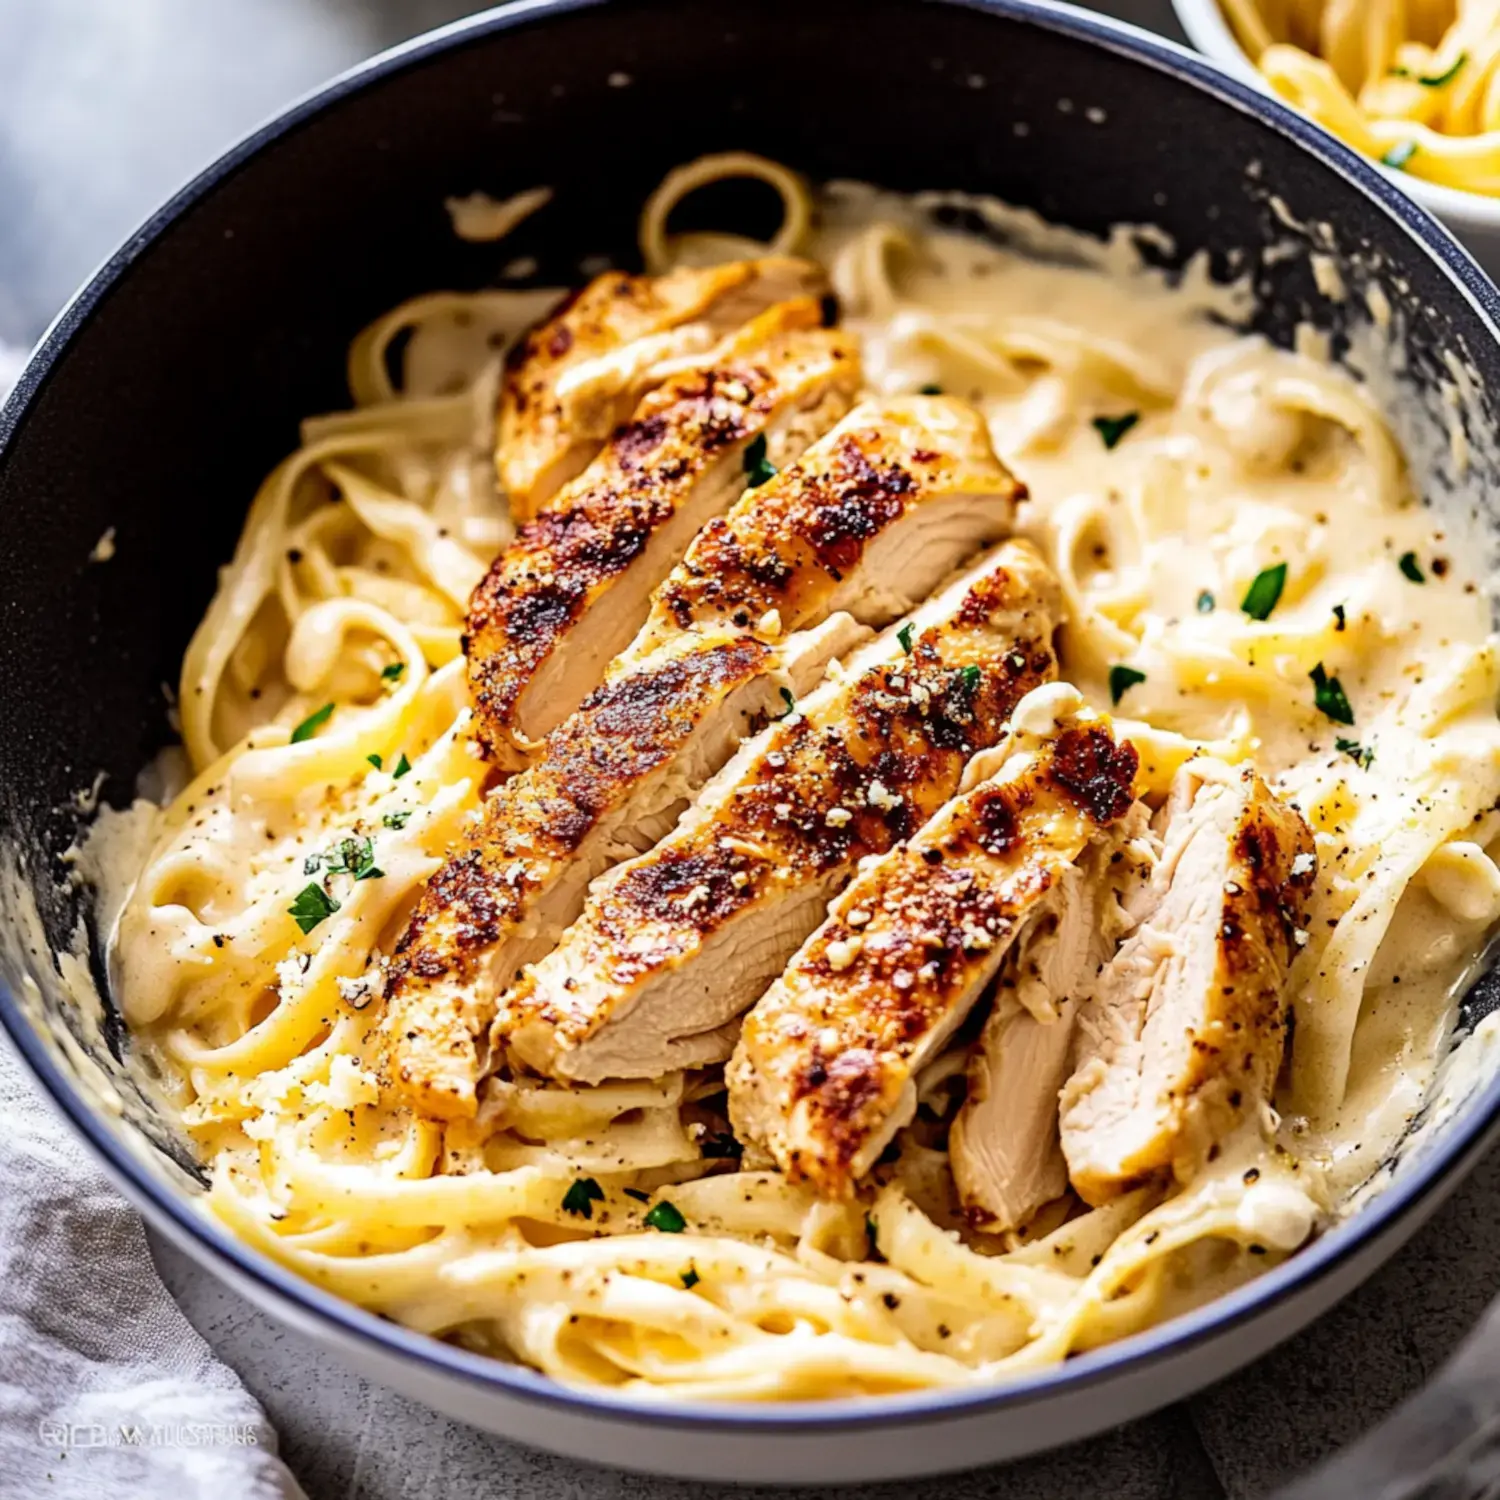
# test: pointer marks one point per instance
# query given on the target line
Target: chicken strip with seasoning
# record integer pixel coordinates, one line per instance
(889, 502)
(1004, 1147)
(570, 591)
(1181, 1038)
(575, 378)
(673, 946)
(825, 1071)
(870, 520)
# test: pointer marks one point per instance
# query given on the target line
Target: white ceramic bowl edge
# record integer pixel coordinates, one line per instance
(1473, 219)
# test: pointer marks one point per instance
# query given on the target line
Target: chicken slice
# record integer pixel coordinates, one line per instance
(870, 520)
(673, 946)
(574, 586)
(1004, 1147)
(580, 374)
(614, 777)
(824, 1075)
(1182, 1034)
(882, 504)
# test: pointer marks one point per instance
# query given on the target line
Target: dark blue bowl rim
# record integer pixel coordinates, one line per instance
(1425, 1179)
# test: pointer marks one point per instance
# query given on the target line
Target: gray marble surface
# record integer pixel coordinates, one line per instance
(105, 107)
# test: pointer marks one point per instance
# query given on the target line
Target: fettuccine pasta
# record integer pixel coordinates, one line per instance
(326, 721)
(1413, 83)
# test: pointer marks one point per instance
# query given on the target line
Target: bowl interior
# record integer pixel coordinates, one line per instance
(178, 379)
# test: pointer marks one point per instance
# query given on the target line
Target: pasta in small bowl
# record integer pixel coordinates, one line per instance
(1414, 87)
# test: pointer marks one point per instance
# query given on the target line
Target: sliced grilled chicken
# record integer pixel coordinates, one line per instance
(883, 504)
(581, 373)
(1004, 1147)
(869, 520)
(673, 946)
(824, 1075)
(574, 586)
(614, 777)
(1182, 1035)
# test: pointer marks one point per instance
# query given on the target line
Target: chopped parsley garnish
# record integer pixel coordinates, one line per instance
(354, 857)
(312, 864)
(1410, 568)
(1399, 154)
(930, 390)
(1338, 614)
(969, 680)
(1434, 80)
(1437, 80)
(345, 855)
(1362, 755)
(1206, 602)
(1121, 680)
(638, 1195)
(312, 724)
(666, 1218)
(1262, 595)
(904, 636)
(402, 767)
(1329, 696)
(393, 672)
(397, 819)
(758, 469)
(871, 1232)
(375, 761)
(789, 699)
(1112, 429)
(582, 1196)
(690, 1278)
(312, 906)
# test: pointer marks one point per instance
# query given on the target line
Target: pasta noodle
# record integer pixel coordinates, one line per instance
(660, 250)
(1169, 461)
(1413, 83)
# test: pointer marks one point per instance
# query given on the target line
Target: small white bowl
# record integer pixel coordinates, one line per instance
(1472, 218)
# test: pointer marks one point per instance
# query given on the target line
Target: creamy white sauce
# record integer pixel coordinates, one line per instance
(1168, 463)
(1228, 472)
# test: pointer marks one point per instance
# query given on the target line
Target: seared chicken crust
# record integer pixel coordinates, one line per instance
(1182, 1035)
(824, 1074)
(870, 520)
(673, 946)
(885, 503)
(572, 588)
(572, 380)
(614, 776)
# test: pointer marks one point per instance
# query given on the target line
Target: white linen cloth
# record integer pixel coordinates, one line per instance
(105, 1388)
(11, 360)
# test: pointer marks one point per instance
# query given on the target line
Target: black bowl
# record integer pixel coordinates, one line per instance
(177, 378)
